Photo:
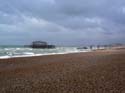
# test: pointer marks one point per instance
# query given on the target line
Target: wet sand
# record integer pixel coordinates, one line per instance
(100, 71)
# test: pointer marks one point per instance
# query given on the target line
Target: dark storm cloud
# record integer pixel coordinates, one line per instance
(63, 21)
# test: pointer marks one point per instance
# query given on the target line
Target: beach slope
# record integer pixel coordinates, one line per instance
(93, 72)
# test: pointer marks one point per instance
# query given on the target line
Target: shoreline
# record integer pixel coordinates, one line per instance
(49, 54)
(37, 55)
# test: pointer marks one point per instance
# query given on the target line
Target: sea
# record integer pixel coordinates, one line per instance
(21, 51)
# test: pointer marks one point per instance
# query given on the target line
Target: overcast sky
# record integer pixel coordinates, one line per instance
(62, 22)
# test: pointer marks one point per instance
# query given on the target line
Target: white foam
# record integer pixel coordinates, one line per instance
(28, 53)
(4, 57)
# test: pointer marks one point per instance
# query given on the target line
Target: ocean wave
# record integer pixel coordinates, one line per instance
(27, 52)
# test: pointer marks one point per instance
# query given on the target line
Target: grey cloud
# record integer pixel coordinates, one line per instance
(63, 21)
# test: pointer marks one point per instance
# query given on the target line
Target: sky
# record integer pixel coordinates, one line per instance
(62, 22)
